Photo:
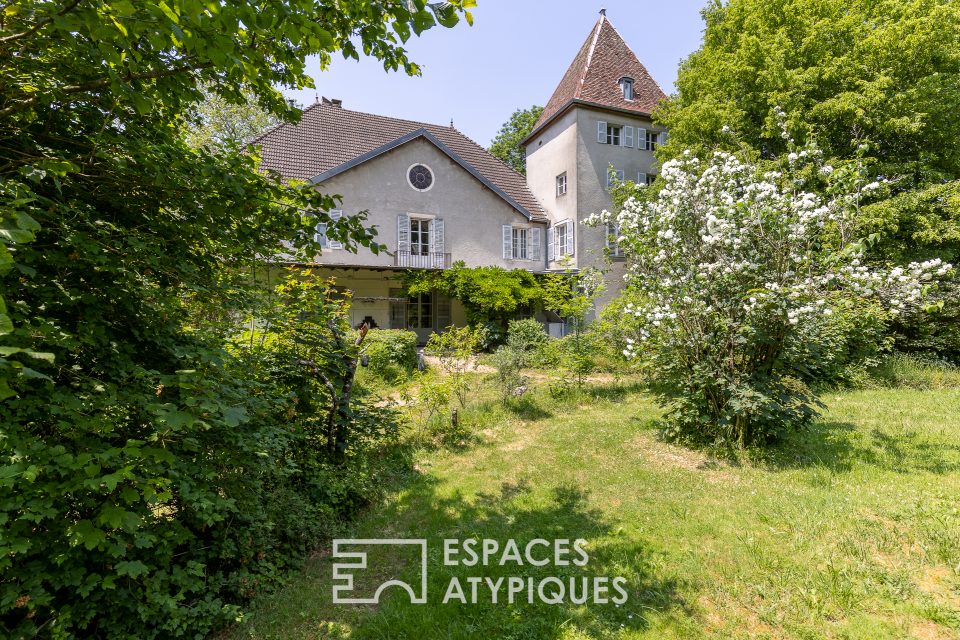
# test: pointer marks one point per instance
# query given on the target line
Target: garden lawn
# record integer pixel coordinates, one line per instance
(850, 531)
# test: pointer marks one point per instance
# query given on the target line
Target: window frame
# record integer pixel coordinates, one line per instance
(561, 184)
(433, 176)
(519, 237)
(422, 232)
(625, 83)
(614, 134)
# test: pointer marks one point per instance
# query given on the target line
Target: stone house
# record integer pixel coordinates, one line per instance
(437, 197)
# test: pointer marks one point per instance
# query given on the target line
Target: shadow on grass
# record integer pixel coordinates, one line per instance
(838, 446)
(520, 512)
(514, 511)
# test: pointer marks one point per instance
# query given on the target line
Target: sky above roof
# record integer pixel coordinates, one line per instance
(512, 57)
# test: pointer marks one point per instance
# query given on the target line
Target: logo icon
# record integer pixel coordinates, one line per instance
(350, 552)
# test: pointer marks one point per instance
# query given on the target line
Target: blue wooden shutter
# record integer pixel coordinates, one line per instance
(533, 252)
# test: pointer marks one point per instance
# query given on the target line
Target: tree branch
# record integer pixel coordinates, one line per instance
(104, 82)
(41, 24)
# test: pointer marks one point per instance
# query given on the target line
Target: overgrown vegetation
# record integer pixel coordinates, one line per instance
(152, 478)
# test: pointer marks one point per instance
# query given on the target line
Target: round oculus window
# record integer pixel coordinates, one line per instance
(420, 177)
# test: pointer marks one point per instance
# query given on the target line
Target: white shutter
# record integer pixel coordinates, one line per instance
(641, 139)
(335, 215)
(663, 137)
(601, 132)
(534, 248)
(507, 242)
(436, 240)
(550, 241)
(403, 233)
(641, 178)
(570, 237)
(628, 136)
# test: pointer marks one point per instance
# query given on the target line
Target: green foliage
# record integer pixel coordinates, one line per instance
(906, 371)
(216, 123)
(887, 71)
(528, 338)
(507, 146)
(455, 349)
(917, 225)
(489, 294)
(152, 479)
(571, 294)
(508, 377)
(392, 353)
(427, 400)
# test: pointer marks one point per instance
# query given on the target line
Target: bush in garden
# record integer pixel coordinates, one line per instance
(508, 377)
(528, 338)
(571, 294)
(454, 349)
(738, 270)
(392, 353)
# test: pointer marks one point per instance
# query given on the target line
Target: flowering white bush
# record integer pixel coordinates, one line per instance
(740, 271)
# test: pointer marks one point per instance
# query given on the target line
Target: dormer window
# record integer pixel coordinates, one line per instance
(626, 84)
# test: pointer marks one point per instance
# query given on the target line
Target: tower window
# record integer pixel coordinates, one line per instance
(626, 84)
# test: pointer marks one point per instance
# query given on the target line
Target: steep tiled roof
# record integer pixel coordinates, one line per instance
(595, 73)
(328, 136)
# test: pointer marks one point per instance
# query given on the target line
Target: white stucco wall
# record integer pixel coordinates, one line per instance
(473, 214)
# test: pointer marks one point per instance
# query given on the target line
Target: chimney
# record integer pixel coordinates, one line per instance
(336, 103)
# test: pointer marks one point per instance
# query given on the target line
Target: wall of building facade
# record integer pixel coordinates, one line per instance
(472, 214)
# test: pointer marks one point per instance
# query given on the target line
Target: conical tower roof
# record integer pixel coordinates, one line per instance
(594, 77)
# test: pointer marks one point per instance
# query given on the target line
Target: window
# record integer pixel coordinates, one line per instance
(613, 235)
(652, 139)
(614, 173)
(420, 177)
(419, 237)
(646, 178)
(561, 184)
(626, 84)
(420, 312)
(320, 232)
(519, 244)
(563, 234)
(613, 134)
(522, 243)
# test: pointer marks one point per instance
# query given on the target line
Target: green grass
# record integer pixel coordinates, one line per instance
(851, 530)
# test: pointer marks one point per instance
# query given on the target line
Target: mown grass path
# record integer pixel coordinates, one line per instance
(850, 531)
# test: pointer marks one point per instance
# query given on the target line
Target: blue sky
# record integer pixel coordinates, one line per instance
(513, 56)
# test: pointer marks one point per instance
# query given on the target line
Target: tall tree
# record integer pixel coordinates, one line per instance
(113, 459)
(882, 72)
(216, 123)
(506, 145)
(874, 82)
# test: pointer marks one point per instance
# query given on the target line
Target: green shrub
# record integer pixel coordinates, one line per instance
(392, 353)
(915, 372)
(508, 378)
(527, 337)
(454, 349)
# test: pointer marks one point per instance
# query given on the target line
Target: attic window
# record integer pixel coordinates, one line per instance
(626, 84)
(420, 177)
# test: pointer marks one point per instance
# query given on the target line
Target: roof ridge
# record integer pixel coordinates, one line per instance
(593, 46)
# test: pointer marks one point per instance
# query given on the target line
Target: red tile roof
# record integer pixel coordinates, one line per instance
(328, 136)
(594, 77)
